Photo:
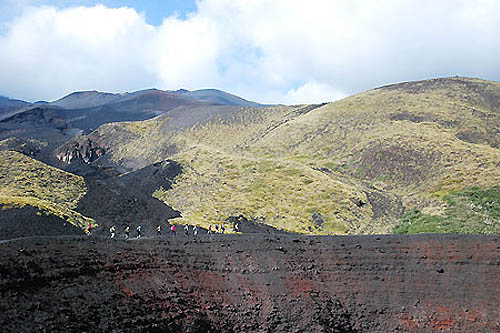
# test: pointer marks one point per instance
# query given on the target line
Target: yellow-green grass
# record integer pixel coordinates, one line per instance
(215, 186)
(26, 181)
(247, 126)
(157, 139)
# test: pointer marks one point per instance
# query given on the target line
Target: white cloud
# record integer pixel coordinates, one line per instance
(258, 49)
(185, 52)
(48, 52)
(312, 92)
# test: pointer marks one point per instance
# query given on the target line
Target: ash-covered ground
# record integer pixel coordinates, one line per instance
(250, 283)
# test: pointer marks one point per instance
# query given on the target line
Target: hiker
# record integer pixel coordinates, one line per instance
(89, 229)
(216, 228)
(209, 229)
(158, 230)
(222, 228)
(138, 231)
(195, 230)
(112, 232)
(186, 229)
(127, 232)
(172, 229)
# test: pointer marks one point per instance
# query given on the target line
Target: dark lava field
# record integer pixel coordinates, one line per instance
(261, 282)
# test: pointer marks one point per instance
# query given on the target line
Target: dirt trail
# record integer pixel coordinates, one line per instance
(251, 283)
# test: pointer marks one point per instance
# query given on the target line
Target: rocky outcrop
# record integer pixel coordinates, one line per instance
(82, 149)
(251, 283)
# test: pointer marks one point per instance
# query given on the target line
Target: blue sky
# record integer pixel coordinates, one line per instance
(270, 51)
(155, 10)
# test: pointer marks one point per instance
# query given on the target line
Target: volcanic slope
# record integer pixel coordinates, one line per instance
(419, 141)
(38, 199)
(107, 195)
(25, 181)
(352, 166)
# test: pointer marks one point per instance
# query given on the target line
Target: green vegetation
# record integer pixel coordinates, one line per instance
(25, 181)
(471, 210)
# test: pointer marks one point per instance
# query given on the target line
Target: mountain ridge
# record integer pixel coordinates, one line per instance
(93, 98)
(83, 111)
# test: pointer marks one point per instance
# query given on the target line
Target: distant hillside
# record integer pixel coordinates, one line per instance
(8, 105)
(417, 142)
(353, 166)
(217, 97)
(411, 157)
(86, 99)
(158, 98)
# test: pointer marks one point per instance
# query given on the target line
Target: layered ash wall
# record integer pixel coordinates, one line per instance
(251, 283)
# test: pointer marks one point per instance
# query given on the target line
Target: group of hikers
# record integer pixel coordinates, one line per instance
(211, 229)
(158, 230)
(216, 229)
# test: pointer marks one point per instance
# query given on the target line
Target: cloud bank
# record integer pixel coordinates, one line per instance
(286, 51)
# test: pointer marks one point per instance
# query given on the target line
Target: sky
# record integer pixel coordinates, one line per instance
(269, 51)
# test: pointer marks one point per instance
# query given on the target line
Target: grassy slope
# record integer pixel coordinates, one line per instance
(223, 178)
(341, 168)
(25, 181)
(406, 139)
(216, 185)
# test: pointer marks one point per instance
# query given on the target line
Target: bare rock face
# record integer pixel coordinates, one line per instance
(251, 283)
(83, 149)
